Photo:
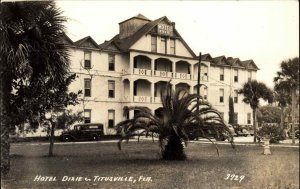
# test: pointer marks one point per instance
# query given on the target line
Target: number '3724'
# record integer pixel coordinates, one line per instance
(234, 177)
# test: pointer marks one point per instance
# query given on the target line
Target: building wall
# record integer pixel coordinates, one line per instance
(144, 44)
(229, 86)
(145, 78)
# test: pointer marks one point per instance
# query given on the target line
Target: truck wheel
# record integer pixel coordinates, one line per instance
(66, 138)
(94, 137)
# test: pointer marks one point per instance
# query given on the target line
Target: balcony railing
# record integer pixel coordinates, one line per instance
(162, 73)
(183, 76)
(125, 71)
(126, 99)
(202, 78)
(142, 99)
(157, 99)
(138, 71)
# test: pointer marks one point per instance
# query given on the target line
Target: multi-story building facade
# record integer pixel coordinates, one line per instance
(133, 67)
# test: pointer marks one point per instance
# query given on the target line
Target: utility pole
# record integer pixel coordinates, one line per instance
(198, 81)
(198, 85)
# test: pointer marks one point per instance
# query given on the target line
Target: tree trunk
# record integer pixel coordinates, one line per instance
(254, 124)
(174, 149)
(282, 116)
(5, 146)
(51, 139)
(5, 89)
(294, 104)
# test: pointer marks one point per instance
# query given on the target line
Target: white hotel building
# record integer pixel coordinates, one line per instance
(132, 68)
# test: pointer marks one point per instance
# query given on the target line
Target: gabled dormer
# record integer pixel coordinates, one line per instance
(87, 42)
(220, 61)
(206, 57)
(249, 64)
(110, 46)
(66, 40)
(235, 62)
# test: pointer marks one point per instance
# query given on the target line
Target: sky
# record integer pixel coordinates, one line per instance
(264, 31)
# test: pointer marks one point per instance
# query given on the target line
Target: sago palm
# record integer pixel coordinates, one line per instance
(181, 114)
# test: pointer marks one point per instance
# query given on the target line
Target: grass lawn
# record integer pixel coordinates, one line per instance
(203, 169)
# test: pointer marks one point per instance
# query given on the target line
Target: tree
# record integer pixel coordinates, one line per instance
(60, 119)
(51, 99)
(253, 91)
(181, 115)
(31, 53)
(231, 111)
(269, 114)
(283, 98)
(287, 79)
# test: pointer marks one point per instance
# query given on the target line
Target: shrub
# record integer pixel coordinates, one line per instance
(273, 132)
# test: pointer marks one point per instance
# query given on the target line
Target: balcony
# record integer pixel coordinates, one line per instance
(158, 73)
(183, 76)
(202, 78)
(126, 98)
(157, 99)
(146, 99)
(139, 71)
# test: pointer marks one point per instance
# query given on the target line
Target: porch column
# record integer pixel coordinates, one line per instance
(131, 114)
(131, 83)
(131, 60)
(174, 69)
(152, 92)
(191, 90)
(152, 67)
(173, 86)
(192, 71)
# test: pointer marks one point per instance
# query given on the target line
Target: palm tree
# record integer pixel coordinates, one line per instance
(31, 50)
(284, 99)
(288, 79)
(181, 116)
(253, 91)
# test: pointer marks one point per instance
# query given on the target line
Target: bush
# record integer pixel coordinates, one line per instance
(273, 132)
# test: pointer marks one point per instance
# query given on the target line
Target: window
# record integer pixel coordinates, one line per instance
(221, 74)
(172, 46)
(111, 62)
(111, 118)
(236, 76)
(87, 60)
(153, 44)
(248, 118)
(235, 99)
(249, 75)
(235, 118)
(87, 87)
(221, 95)
(87, 116)
(111, 89)
(163, 47)
(204, 73)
